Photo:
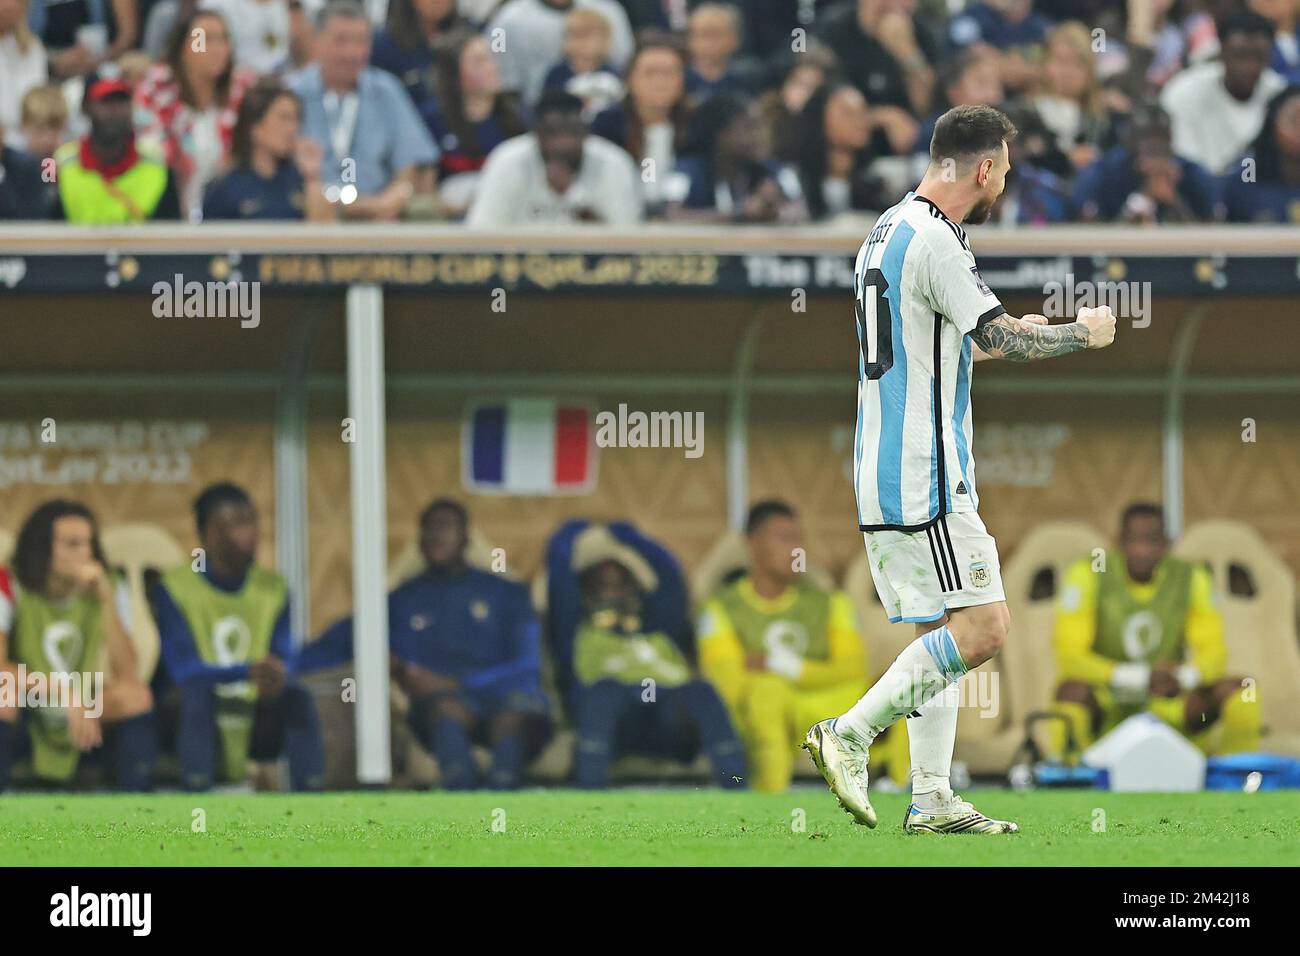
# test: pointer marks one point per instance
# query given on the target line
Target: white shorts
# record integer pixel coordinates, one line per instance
(922, 575)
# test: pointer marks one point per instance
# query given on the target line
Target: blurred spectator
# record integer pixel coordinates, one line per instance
(780, 107)
(406, 46)
(1069, 95)
(189, 103)
(585, 70)
(302, 37)
(1037, 191)
(885, 51)
(613, 658)
(259, 31)
(1217, 109)
(22, 61)
(1145, 180)
(971, 78)
(532, 40)
(473, 117)
(712, 39)
(840, 138)
(557, 174)
(61, 612)
(1269, 189)
(376, 145)
(1009, 26)
(650, 123)
(1285, 17)
(23, 193)
(275, 173)
(106, 177)
(82, 34)
(44, 121)
(729, 173)
(780, 649)
(228, 649)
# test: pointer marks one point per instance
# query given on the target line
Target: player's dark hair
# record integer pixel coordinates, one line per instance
(1247, 22)
(445, 504)
(1141, 509)
(215, 496)
(35, 544)
(557, 103)
(966, 132)
(764, 510)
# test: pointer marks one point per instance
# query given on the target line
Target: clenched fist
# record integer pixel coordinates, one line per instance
(1100, 323)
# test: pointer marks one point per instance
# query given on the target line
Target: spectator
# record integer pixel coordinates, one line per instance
(533, 31)
(106, 177)
(840, 138)
(466, 650)
(614, 656)
(406, 46)
(44, 121)
(585, 70)
(728, 174)
(1145, 180)
(22, 61)
(1147, 637)
(23, 192)
(1037, 191)
(1069, 97)
(971, 78)
(1010, 27)
(377, 148)
(1217, 109)
(473, 118)
(885, 51)
(650, 123)
(61, 612)
(557, 174)
(275, 173)
(302, 37)
(712, 39)
(780, 649)
(1285, 17)
(1270, 191)
(189, 103)
(81, 35)
(227, 647)
(259, 32)
(780, 107)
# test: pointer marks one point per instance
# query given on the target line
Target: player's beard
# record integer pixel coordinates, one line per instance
(979, 213)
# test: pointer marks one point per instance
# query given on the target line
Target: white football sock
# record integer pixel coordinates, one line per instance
(930, 738)
(922, 670)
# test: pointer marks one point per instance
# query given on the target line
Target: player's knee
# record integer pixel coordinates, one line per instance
(131, 700)
(989, 637)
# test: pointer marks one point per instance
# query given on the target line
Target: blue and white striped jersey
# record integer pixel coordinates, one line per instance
(918, 296)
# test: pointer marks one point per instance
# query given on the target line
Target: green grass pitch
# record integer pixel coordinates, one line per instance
(638, 828)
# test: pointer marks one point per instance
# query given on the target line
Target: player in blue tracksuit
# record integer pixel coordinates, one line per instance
(465, 646)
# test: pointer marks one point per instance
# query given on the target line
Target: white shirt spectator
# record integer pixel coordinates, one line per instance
(259, 30)
(1211, 127)
(531, 41)
(19, 72)
(513, 190)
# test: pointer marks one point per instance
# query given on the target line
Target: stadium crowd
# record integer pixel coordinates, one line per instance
(617, 111)
(616, 654)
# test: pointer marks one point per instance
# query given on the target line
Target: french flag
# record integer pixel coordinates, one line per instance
(529, 446)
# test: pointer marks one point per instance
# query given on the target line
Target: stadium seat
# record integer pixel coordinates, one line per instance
(1256, 592)
(1031, 578)
(135, 550)
(6, 546)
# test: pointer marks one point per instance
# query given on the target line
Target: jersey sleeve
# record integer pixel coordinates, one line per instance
(952, 285)
(721, 655)
(1074, 629)
(1207, 649)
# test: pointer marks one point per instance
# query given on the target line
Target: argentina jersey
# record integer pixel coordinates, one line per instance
(918, 296)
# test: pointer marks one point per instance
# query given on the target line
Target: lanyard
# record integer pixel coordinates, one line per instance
(341, 114)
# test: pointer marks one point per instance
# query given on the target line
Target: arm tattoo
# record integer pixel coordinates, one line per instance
(1005, 338)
